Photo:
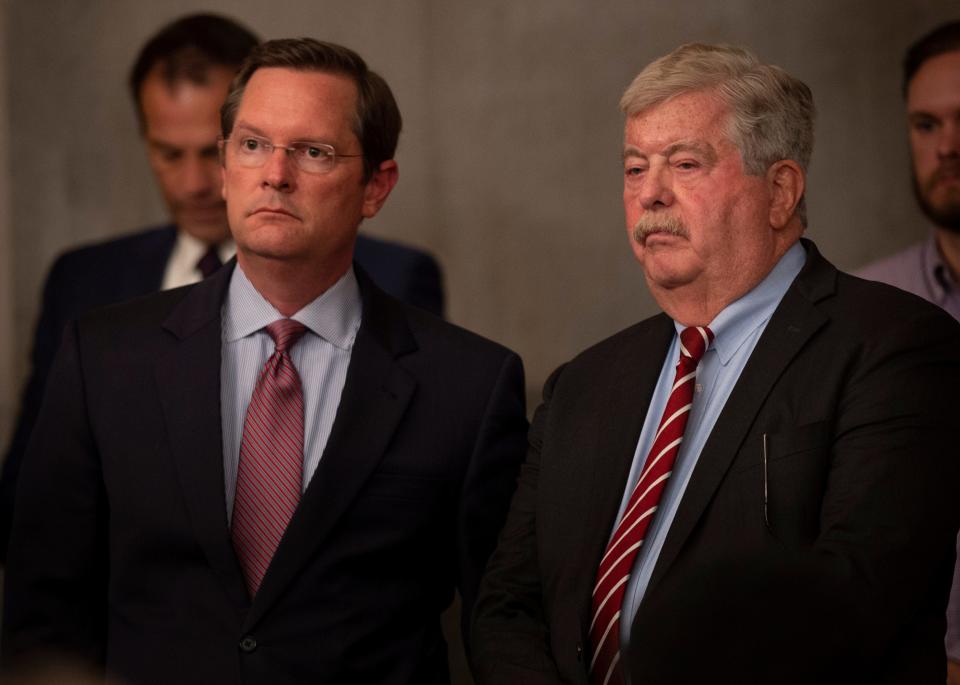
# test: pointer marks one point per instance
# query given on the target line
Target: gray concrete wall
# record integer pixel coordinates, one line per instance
(509, 157)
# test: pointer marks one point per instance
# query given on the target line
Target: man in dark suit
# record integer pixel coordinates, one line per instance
(757, 485)
(280, 474)
(178, 83)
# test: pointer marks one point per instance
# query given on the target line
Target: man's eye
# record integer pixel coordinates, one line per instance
(633, 171)
(687, 165)
(924, 125)
(250, 144)
(315, 152)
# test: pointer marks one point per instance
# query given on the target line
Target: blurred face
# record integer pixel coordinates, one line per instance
(933, 118)
(694, 217)
(181, 124)
(280, 211)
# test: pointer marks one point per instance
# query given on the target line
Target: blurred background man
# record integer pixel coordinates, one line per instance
(931, 88)
(931, 268)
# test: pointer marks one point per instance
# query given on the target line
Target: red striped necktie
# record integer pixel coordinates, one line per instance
(270, 472)
(617, 561)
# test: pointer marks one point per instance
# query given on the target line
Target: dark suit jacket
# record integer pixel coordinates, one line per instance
(854, 387)
(120, 552)
(132, 266)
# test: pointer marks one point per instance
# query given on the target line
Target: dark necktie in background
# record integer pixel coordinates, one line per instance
(210, 261)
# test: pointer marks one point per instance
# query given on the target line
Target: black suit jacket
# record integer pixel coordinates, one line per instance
(120, 552)
(132, 266)
(842, 576)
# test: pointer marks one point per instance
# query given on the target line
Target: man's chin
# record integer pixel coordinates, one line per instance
(945, 215)
(940, 205)
(668, 274)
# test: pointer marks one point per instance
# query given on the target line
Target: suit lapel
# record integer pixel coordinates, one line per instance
(375, 396)
(188, 382)
(628, 394)
(793, 323)
(598, 475)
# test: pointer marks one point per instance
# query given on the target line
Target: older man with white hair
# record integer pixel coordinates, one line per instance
(755, 485)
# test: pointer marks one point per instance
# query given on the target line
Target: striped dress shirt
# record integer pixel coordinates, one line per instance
(322, 357)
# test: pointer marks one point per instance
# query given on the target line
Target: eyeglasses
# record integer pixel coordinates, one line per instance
(252, 151)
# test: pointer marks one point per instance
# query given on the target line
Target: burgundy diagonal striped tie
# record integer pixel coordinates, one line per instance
(617, 562)
(270, 472)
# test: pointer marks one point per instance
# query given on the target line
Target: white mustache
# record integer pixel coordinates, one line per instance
(649, 224)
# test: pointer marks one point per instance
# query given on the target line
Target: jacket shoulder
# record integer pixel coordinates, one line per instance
(153, 244)
(144, 311)
(638, 340)
(873, 307)
(369, 249)
(432, 332)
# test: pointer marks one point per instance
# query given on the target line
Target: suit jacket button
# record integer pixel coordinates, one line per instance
(579, 652)
(248, 644)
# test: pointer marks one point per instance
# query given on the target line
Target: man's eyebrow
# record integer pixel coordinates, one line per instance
(162, 144)
(253, 130)
(919, 114)
(248, 128)
(704, 149)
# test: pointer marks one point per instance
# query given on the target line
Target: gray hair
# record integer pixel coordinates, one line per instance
(771, 112)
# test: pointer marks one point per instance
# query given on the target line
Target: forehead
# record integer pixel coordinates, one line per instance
(699, 116)
(182, 104)
(296, 102)
(936, 85)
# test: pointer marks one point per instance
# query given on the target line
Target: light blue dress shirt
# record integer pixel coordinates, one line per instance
(736, 331)
(321, 356)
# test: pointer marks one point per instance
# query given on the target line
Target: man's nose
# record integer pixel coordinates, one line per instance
(657, 188)
(948, 143)
(200, 177)
(278, 170)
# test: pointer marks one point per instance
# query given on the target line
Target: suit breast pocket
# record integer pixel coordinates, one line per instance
(797, 463)
(795, 440)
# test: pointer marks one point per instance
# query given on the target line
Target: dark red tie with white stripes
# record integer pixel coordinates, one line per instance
(617, 561)
(270, 471)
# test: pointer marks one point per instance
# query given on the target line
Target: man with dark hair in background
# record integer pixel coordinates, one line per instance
(281, 473)
(931, 269)
(178, 83)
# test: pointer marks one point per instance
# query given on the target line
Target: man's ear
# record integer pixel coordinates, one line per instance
(786, 182)
(378, 187)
